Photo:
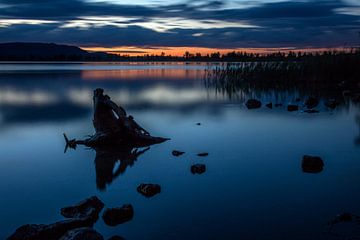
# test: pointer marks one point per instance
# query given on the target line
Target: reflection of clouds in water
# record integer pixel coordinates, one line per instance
(11, 96)
(157, 95)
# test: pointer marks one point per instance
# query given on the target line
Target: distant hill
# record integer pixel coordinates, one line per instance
(21, 51)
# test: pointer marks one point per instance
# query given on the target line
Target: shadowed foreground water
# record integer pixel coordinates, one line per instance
(253, 187)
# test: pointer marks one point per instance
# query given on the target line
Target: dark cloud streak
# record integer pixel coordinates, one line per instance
(301, 24)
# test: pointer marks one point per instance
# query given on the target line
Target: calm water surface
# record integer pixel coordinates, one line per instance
(254, 187)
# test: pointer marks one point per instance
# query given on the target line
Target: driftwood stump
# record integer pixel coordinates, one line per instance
(113, 127)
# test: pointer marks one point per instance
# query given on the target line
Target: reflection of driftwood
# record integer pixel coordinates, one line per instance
(357, 139)
(107, 159)
(113, 127)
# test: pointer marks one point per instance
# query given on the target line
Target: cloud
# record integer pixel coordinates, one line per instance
(227, 24)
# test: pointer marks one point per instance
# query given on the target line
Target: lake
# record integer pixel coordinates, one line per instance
(253, 188)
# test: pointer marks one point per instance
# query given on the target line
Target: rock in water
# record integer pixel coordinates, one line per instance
(198, 168)
(83, 208)
(311, 102)
(331, 103)
(311, 111)
(292, 108)
(204, 154)
(149, 189)
(312, 164)
(82, 234)
(269, 105)
(84, 214)
(253, 103)
(116, 238)
(116, 216)
(48, 231)
(177, 153)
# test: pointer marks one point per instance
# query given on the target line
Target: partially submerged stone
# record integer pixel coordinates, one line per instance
(119, 215)
(198, 168)
(90, 207)
(292, 108)
(269, 105)
(149, 189)
(48, 231)
(312, 164)
(177, 153)
(253, 103)
(311, 102)
(331, 103)
(84, 214)
(116, 238)
(311, 111)
(203, 154)
(82, 234)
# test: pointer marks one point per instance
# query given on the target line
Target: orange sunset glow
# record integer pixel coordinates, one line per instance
(180, 51)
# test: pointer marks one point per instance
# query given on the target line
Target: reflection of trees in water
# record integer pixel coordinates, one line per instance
(111, 163)
(324, 76)
(357, 139)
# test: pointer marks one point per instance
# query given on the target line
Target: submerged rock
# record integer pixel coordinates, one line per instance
(198, 124)
(312, 164)
(344, 217)
(177, 153)
(48, 231)
(116, 216)
(253, 103)
(331, 103)
(198, 168)
(116, 238)
(269, 105)
(90, 207)
(311, 111)
(84, 214)
(203, 154)
(311, 102)
(82, 234)
(292, 108)
(149, 189)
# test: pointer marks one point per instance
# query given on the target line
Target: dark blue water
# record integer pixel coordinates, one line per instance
(254, 187)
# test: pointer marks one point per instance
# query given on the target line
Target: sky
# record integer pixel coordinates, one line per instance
(138, 27)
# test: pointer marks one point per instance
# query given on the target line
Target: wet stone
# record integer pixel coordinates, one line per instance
(292, 108)
(119, 215)
(83, 208)
(269, 105)
(253, 103)
(311, 102)
(198, 168)
(331, 103)
(311, 111)
(177, 153)
(149, 189)
(312, 164)
(82, 234)
(116, 238)
(84, 214)
(204, 154)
